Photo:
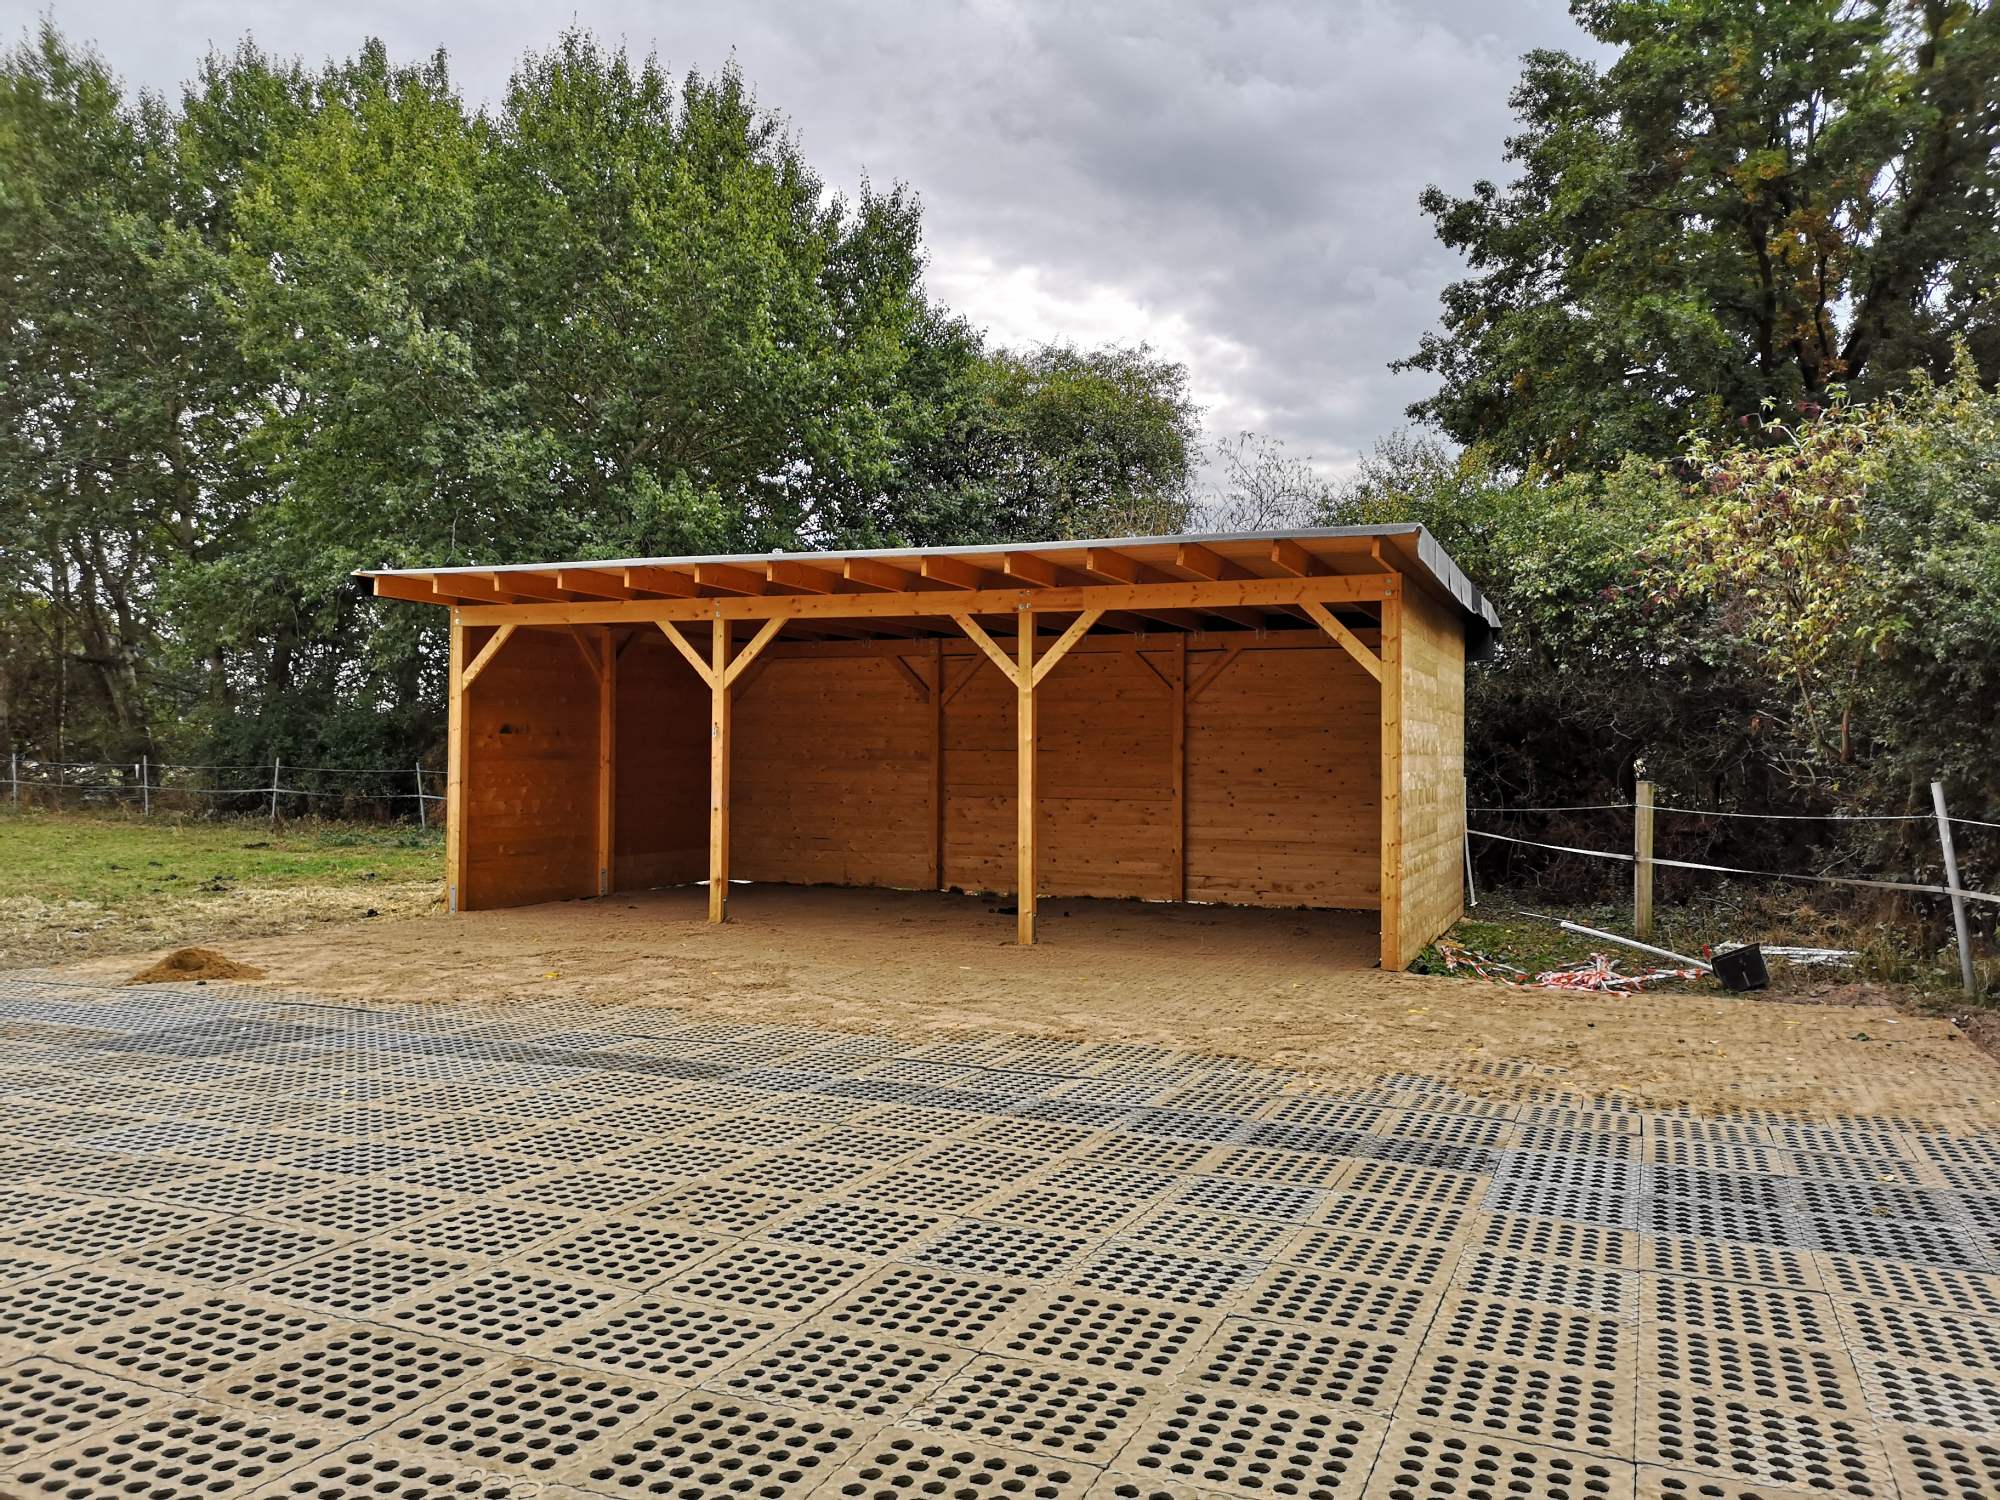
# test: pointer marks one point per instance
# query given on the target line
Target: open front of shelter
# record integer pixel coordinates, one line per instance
(1270, 720)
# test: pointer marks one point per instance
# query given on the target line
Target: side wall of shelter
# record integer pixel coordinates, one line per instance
(1432, 800)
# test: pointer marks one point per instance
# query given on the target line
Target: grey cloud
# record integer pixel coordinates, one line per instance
(1235, 182)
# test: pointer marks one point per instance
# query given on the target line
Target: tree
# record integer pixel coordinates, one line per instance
(1855, 561)
(1755, 202)
(1069, 442)
(295, 323)
(1263, 488)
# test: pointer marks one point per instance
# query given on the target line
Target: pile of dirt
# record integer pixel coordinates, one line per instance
(193, 965)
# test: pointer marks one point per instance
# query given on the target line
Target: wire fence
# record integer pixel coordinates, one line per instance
(411, 793)
(274, 789)
(1644, 860)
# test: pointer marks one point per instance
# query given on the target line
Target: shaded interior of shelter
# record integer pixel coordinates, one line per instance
(1219, 729)
(850, 767)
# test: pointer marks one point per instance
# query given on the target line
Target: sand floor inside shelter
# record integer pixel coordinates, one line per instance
(1286, 988)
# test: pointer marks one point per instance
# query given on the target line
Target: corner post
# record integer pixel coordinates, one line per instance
(718, 772)
(1391, 697)
(1024, 790)
(456, 753)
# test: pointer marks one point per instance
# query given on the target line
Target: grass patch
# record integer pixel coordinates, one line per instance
(77, 884)
(114, 861)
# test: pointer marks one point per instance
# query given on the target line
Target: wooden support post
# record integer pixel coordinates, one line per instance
(937, 764)
(1391, 696)
(457, 737)
(607, 756)
(1642, 856)
(1964, 930)
(1024, 782)
(1177, 769)
(718, 771)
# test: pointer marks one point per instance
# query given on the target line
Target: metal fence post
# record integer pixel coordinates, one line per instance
(423, 818)
(1465, 802)
(274, 791)
(1642, 857)
(1957, 895)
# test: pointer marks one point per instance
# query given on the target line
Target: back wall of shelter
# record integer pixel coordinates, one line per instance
(847, 769)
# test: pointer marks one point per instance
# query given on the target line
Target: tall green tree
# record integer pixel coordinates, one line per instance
(1754, 201)
(297, 322)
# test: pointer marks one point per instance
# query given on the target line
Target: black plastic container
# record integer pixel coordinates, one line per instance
(1742, 968)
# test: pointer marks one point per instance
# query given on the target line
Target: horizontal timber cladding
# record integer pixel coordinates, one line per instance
(1433, 773)
(1284, 780)
(661, 768)
(831, 779)
(1104, 779)
(834, 779)
(530, 798)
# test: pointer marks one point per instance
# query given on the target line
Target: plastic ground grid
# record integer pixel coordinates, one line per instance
(259, 1243)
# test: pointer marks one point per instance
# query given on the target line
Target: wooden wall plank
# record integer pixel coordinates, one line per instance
(528, 830)
(1433, 773)
(833, 776)
(661, 836)
(1283, 782)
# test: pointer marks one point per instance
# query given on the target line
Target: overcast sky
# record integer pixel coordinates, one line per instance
(1232, 182)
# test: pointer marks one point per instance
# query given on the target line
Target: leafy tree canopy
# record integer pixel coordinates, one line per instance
(295, 323)
(1753, 202)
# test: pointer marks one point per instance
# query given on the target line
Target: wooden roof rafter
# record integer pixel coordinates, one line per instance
(1165, 586)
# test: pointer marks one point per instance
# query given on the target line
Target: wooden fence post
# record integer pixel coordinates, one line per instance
(1642, 857)
(145, 786)
(1965, 974)
(423, 818)
(14, 776)
(274, 791)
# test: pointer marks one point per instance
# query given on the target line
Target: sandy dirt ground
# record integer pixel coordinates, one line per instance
(1288, 988)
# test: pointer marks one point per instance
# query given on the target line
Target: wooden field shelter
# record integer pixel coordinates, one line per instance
(1269, 719)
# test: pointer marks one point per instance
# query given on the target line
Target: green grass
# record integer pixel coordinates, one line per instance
(115, 862)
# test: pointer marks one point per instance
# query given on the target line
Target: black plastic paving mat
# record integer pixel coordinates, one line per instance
(44, 1405)
(708, 1447)
(180, 1452)
(1253, 1445)
(250, 1248)
(856, 1372)
(358, 1378)
(1426, 1461)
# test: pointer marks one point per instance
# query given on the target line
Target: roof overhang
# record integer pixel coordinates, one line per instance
(1205, 582)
